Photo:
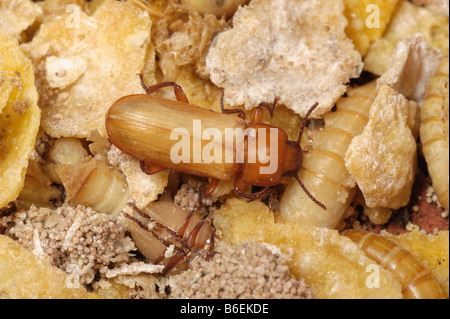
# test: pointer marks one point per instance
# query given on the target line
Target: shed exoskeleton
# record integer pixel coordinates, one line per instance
(170, 236)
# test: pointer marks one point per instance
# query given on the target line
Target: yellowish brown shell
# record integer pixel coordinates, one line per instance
(95, 184)
(143, 126)
(38, 189)
(167, 235)
(416, 281)
(434, 131)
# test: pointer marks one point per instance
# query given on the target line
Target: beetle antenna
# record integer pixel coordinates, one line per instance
(308, 193)
(240, 112)
(305, 119)
(270, 107)
(222, 93)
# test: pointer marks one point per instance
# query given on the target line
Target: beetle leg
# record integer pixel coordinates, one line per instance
(270, 201)
(258, 114)
(150, 169)
(240, 186)
(178, 90)
(240, 112)
(254, 196)
(211, 187)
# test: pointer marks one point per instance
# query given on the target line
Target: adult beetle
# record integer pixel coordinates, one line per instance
(158, 132)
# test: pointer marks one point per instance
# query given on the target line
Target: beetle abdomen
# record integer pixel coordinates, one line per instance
(175, 135)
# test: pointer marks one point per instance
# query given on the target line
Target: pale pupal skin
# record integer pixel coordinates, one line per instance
(434, 131)
(168, 235)
(37, 189)
(95, 184)
(141, 126)
(65, 150)
(416, 282)
(324, 173)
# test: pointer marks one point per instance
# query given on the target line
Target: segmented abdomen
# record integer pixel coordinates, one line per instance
(96, 185)
(324, 173)
(434, 131)
(414, 278)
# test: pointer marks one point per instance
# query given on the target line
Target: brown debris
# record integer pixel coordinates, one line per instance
(190, 197)
(245, 271)
(186, 43)
(76, 239)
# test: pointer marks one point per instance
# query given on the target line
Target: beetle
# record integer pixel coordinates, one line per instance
(144, 127)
